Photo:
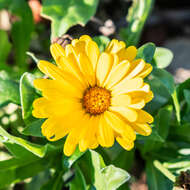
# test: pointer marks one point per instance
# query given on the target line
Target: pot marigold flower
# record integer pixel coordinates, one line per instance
(93, 97)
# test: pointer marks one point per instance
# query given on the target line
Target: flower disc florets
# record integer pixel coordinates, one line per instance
(96, 100)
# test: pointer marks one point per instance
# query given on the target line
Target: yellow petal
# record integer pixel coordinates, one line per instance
(93, 53)
(52, 108)
(54, 128)
(50, 70)
(127, 113)
(146, 71)
(85, 38)
(128, 53)
(87, 69)
(79, 46)
(121, 100)
(52, 88)
(57, 51)
(140, 64)
(94, 143)
(105, 133)
(142, 128)
(144, 117)
(59, 96)
(104, 66)
(39, 113)
(90, 134)
(146, 96)
(114, 46)
(126, 86)
(70, 65)
(70, 144)
(58, 74)
(119, 125)
(75, 134)
(126, 144)
(116, 74)
(138, 104)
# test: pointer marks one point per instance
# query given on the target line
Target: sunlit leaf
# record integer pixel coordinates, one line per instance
(9, 91)
(66, 13)
(162, 57)
(136, 18)
(27, 94)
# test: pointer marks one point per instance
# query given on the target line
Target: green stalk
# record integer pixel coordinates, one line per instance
(164, 171)
(177, 106)
(136, 18)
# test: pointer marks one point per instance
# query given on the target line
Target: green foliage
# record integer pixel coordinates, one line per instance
(66, 13)
(34, 128)
(155, 179)
(136, 19)
(21, 29)
(27, 157)
(27, 94)
(9, 89)
(5, 47)
(146, 52)
(162, 57)
(102, 42)
(99, 176)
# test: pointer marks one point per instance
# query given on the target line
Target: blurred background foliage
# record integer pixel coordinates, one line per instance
(28, 161)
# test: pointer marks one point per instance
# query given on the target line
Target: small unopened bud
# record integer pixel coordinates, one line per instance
(63, 40)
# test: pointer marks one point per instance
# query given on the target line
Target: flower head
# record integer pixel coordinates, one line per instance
(93, 97)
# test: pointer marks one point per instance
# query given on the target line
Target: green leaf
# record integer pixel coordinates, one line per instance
(165, 78)
(5, 47)
(137, 16)
(120, 160)
(168, 81)
(78, 182)
(114, 177)
(162, 121)
(154, 136)
(38, 180)
(69, 161)
(98, 175)
(160, 130)
(27, 94)
(21, 31)
(155, 179)
(4, 4)
(102, 42)
(161, 95)
(181, 87)
(34, 128)
(146, 52)
(180, 133)
(162, 57)
(187, 99)
(9, 91)
(15, 170)
(9, 140)
(66, 13)
(55, 183)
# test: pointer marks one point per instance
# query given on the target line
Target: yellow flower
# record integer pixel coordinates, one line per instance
(92, 97)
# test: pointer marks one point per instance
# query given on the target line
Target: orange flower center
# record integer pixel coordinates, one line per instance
(96, 100)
